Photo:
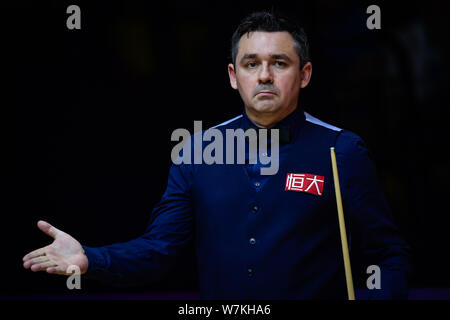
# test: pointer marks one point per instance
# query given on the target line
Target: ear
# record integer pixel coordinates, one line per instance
(232, 75)
(306, 74)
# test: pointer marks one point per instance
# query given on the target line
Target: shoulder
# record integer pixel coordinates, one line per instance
(346, 143)
(350, 144)
(229, 124)
(319, 124)
(319, 130)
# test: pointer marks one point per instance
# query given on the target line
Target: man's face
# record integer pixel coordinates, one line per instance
(267, 73)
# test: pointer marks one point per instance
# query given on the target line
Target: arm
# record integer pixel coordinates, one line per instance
(149, 257)
(372, 230)
(144, 259)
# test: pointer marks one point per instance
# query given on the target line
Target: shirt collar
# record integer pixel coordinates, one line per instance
(288, 126)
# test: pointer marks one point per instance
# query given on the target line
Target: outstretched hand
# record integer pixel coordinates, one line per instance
(56, 258)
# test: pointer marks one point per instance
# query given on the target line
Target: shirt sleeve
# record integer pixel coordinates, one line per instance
(150, 257)
(371, 229)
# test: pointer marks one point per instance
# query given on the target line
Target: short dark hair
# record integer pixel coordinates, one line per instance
(271, 22)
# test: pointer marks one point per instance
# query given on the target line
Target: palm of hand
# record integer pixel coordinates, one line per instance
(64, 252)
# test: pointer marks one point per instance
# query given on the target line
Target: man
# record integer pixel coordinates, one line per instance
(259, 236)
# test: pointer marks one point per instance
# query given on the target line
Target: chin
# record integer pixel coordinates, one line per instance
(266, 107)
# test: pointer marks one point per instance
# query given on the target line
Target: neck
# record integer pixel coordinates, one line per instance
(267, 120)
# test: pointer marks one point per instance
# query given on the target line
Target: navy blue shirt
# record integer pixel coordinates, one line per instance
(256, 240)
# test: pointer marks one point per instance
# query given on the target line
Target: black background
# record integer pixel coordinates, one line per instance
(86, 115)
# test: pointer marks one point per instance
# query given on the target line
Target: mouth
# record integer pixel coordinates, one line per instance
(266, 93)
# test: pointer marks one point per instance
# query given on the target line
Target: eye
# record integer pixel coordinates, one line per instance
(280, 64)
(251, 64)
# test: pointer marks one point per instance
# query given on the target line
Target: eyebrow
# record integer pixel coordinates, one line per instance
(279, 56)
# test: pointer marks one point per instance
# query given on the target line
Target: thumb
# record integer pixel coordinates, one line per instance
(48, 229)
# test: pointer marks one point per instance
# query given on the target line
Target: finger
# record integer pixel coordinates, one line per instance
(57, 270)
(48, 229)
(43, 266)
(34, 254)
(33, 261)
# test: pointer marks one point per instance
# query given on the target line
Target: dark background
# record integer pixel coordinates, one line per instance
(86, 115)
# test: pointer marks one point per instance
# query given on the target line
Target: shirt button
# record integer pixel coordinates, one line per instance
(264, 154)
(255, 208)
(250, 272)
(257, 184)
(252, 241)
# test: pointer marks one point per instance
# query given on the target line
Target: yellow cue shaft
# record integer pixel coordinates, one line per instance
(348, 269)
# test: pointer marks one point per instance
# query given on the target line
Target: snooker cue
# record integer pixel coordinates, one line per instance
(348, 269)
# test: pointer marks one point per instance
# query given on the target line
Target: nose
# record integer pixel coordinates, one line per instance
(265, 74)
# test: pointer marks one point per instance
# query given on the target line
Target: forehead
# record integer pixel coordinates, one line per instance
(267, 43)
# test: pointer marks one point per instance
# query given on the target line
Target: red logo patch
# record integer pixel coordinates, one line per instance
(305, 182)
